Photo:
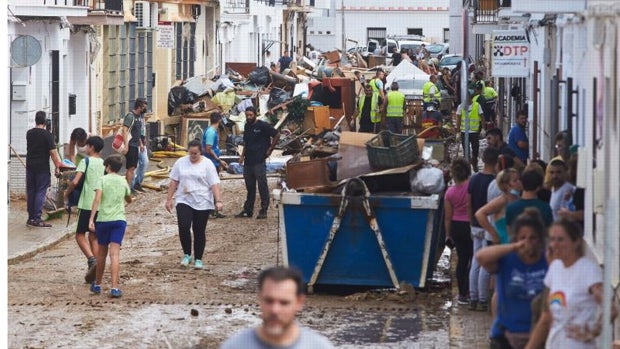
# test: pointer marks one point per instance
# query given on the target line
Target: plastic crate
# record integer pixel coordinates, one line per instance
(389, 150)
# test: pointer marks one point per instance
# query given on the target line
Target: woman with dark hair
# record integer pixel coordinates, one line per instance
(196, 186)
(456, 220)
(77, 140)
(519, 269)
(574, 289)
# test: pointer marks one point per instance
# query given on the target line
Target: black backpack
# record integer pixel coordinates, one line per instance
(74, 197)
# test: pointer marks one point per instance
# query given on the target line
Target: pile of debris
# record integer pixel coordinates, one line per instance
(312, 106)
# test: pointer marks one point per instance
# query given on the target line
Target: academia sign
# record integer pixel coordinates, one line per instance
(511, 54)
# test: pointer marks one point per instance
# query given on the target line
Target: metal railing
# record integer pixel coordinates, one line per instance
(287, 2)
(107, 5)
(485, 11)
(237, 6)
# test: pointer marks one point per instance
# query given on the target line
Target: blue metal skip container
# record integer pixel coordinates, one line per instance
(406, 224)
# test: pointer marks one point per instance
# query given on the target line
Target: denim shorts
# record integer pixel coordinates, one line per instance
(108, 232)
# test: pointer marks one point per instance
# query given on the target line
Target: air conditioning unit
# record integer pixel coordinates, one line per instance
(142, 11)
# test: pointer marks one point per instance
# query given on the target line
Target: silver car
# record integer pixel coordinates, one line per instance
(411, 85)
(438, 49)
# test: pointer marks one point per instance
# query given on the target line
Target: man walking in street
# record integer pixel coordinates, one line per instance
(475, 116)
(39, 148)
(495, 139)
(476, 198)
(517, 137)
(143, 157)
(281, 296)
(211, 149)
(395, 109)
(132, 125)
(561, 189)
(259, 139)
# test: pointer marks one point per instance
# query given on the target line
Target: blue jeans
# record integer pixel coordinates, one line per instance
(36, 188)
(143, 163)
(478, 277)
(253, 174)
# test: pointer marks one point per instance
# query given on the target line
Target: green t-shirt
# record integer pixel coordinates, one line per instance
(113, 188)
(93, 176)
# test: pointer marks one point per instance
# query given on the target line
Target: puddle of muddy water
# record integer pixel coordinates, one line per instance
(380, 329)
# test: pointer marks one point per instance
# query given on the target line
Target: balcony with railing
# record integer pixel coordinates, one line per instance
(287, 2)
(48, 8)
(235, 6)
(486, 11)
(101, 12)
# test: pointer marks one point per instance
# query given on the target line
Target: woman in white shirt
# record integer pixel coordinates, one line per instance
(196, 186)
(574, 285)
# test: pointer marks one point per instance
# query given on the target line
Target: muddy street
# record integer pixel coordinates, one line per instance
(165, 305)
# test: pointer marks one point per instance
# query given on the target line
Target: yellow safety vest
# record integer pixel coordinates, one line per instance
(426, 92)
(395, 104)
(489, 93)
(474, 118)
(373, 85)
(374, 118)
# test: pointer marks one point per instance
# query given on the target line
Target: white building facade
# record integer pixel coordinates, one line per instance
(573, 84)
(365, 19)
(246, 27)
(50, 71)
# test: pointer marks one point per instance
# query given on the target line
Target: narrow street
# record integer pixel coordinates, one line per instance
(50, 306)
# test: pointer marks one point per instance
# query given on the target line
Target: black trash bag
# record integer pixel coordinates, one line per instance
(179, 95)
(260, 76)
(277, 96)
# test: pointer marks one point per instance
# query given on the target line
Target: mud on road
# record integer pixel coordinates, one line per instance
(50, 306)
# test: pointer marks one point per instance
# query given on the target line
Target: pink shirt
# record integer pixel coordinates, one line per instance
(457, 196)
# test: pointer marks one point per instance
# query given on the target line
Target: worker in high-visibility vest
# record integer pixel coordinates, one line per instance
(377, 86)
(395, 109)
(430, 92)
(475, 116)
(367, 112)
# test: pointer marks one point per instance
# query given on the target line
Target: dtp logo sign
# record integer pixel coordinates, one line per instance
(501, 51)
(511, 52)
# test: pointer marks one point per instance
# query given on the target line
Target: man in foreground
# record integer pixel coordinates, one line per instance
(281, 296)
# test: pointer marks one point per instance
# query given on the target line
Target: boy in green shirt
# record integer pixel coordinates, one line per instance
(92, 172)
(111, 222)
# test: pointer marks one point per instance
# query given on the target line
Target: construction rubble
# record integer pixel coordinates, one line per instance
(312, 106)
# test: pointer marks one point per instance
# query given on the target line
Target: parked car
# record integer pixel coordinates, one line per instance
(411, 85)
(363, 50)
(413, 45)
(438, 49)
(451, 61)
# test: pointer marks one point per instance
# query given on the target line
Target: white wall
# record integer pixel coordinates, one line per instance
(74, 73)
(241, 35)
(395, 17)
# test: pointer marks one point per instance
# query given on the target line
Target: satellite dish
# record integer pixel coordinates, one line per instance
(25, 51)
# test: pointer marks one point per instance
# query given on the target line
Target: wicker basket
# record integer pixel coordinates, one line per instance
(389, 150)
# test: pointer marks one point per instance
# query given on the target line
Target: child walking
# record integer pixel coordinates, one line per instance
(111, 222)
(92, 169)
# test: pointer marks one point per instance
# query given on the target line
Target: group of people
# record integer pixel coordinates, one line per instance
(517, 228)
(100, 202)
(195, 193)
